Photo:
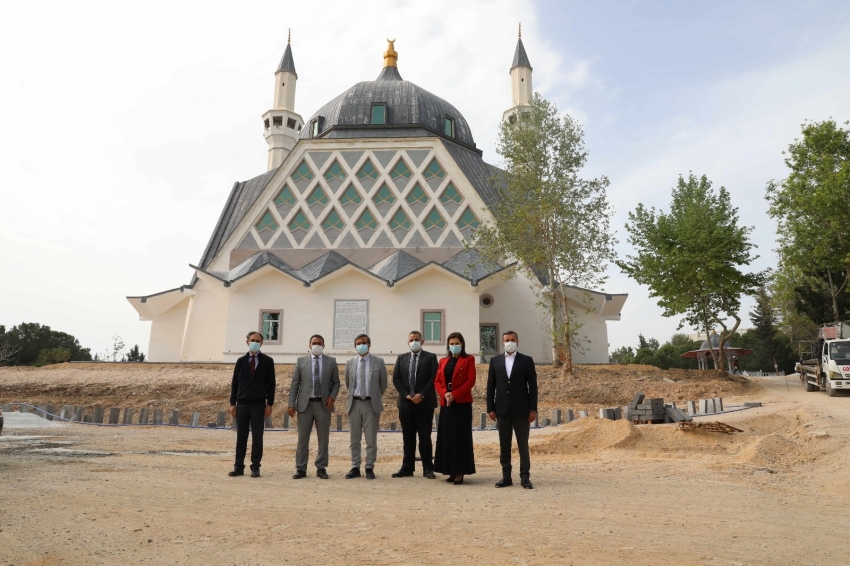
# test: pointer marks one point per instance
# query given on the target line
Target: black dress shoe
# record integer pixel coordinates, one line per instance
(370, 474)
(402, 474)
(429, 474)
(234, 473)
(504, 482)
(321, 473)
(255, 473)
(354, 473)
(526, 484)
(299, 474)
(450, 479)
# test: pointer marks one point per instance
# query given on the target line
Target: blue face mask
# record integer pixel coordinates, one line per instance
(362, 348)
(254, 347)
(455, 349)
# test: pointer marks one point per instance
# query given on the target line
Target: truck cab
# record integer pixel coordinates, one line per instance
(826, 363)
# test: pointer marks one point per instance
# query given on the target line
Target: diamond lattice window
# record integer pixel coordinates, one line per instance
(302, 173)
(285, 198)
(350, 196)
(434, 171)
(384, 196)
(400, 221)
(450, 195)
(299, 223)
(400, 171)
(434, 220)
(333, 222)
(467, 220)
(267, 223)
(318, 196)
(335, 172)
(367, 221)
(368, 171)
(417, 196)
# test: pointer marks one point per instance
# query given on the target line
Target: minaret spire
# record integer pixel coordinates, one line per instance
(282, 124)
(521, 89)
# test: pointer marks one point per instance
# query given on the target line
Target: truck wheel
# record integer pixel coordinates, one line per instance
(809, 386)
(830, 390)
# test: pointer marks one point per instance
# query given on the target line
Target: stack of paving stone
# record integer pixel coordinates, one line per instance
(645, 410)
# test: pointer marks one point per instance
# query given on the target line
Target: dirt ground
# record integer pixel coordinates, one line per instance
(605, 493)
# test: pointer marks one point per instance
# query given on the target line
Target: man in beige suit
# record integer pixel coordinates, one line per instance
(315, 385)
(366, 380)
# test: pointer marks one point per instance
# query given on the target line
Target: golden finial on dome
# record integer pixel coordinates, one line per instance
(390, 55)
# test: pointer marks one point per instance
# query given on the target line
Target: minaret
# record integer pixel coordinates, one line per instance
(281, 123)
(521, 91)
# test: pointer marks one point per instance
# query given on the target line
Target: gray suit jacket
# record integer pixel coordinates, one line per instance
(301, 388)
(377, 383)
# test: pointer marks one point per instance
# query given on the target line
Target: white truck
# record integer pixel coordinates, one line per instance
(825, 363)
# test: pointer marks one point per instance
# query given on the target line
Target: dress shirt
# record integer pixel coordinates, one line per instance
(509, 363)
(313, 361)
(367, 373)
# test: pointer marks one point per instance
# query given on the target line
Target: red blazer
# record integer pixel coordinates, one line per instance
(463, 380)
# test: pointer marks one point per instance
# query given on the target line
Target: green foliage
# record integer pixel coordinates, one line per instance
(811, 207)
(39, 345)
(556, 224)
(134, 355)
(691, 257)
(664, 356)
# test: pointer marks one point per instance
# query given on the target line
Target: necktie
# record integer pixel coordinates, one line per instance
(252, 364)
(412, 372)
(316, 392)
(361, 376)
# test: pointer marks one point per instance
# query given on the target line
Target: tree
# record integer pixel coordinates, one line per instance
(134, 355)
(811, 207)
(31, 338)
(691, 257)
(8, 352)
(556, 224)
(622, 355)
(113, 354)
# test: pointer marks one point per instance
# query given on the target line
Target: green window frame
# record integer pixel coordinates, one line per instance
(379, 113)
(432, 326)
(451, 195)
(417, 195)
(285, 197)
(270, 325)
(449, 126)
(314, 128)
(384, 195)
(333, 222)
(318, 196)
(368, 171)
(350, 196)
(366, 221)
(434, 220)
(400, 171)
(467, 220)
(299, 222)
(434, 170)
(267, 222)
(400, 220)
(303, 172)
(335, 171)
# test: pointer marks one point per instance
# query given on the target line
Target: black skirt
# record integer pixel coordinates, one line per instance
(453, 455)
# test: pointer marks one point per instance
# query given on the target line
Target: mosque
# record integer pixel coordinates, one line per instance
(358, 226)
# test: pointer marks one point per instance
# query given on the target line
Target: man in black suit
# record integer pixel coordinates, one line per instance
(251, 400)
(413, 377)
(512, 403)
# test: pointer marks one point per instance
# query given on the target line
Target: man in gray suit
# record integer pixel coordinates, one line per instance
(315, 385)
(366, 380)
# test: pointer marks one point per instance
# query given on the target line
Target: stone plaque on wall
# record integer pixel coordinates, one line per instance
(351, 317)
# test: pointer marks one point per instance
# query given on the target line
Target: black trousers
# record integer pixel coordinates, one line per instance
(253, 415)
(416, 420)
(508, 426)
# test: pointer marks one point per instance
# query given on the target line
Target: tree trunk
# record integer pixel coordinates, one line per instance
(556, 334)
(567, 368)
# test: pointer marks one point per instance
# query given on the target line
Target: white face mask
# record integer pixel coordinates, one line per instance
(415, 346)
(510, 347)
(317, 349)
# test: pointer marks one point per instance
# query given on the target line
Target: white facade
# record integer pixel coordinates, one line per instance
(373, 224)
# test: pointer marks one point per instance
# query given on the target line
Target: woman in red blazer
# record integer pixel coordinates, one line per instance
(454, 382)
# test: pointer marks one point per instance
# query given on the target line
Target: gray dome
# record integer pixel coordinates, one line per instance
(407, 105)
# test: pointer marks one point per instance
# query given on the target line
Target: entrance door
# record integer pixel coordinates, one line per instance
(489, 335)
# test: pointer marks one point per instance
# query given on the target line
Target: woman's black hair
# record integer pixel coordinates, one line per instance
(459, 336)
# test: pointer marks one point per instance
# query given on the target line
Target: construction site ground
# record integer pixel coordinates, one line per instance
(605, 492)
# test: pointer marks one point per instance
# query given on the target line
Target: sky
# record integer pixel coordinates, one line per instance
(124, 126)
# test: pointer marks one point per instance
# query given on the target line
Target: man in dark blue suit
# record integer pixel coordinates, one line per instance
(512, 403)
(251, 400)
